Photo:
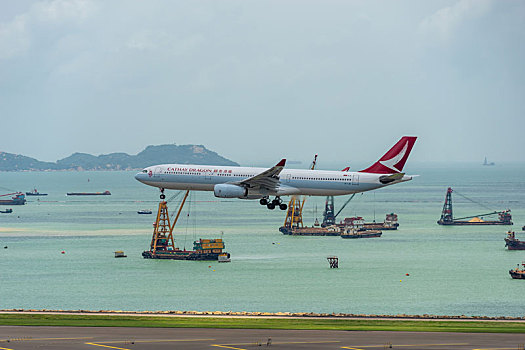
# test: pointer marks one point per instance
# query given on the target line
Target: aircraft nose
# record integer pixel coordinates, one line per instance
(138, 177)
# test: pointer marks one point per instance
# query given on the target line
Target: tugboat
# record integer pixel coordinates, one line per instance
(512, 243)
(517, 273)
(34, 192)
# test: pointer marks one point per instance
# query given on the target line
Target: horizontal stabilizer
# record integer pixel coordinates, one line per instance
(386, 179)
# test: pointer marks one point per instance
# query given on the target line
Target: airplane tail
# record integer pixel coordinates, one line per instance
(394, 160)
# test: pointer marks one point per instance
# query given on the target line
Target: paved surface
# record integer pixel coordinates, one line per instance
(85, 338)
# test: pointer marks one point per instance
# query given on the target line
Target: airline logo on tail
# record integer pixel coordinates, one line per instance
(394, 160)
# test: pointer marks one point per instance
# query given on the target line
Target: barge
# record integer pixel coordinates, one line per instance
(353, 233)
(105, 193)
(512, 243)
(357, 230)
(311, 231)
(390, 223)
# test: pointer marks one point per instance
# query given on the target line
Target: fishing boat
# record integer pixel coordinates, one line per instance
(34, 192)
(105, 193)
(518, 273)
(7, 211)
(144, 211)
(512, 243)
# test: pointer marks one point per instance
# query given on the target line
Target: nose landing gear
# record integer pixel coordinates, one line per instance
(274, 203)
(162, 195)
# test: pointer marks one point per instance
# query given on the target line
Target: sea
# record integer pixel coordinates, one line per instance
(57, 251)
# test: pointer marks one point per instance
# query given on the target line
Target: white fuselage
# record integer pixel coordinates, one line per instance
(292, 181)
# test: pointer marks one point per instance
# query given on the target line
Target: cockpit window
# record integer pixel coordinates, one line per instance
(144, 171)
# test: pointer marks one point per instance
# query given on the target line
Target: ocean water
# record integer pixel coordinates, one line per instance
(452, 270)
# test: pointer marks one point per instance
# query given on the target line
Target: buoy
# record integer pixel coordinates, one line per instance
(63, 252)
(213, 270)
(400, 280)
(209, 266)
(408, 274)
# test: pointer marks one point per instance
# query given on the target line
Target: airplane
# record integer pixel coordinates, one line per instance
(261, 183)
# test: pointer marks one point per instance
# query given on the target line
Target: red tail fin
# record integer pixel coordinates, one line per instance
(394, 160)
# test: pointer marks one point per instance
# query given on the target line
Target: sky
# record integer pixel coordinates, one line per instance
(257, 81)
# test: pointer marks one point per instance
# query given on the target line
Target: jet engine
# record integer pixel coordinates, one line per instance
(229, 191)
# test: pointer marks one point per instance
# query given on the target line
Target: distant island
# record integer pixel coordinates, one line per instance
(151, 155)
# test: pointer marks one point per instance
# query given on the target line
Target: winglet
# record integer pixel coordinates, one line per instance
(394, 160)
(282, 162)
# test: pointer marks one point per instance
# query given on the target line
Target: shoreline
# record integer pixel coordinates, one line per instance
(267, 315)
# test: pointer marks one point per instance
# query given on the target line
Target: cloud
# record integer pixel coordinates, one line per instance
(16, 36)
(63, 10)
(443, 23)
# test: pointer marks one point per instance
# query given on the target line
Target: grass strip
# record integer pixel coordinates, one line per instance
(259, 323)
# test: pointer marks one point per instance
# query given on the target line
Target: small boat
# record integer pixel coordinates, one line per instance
(517, 273)
(144, 211)
(7, 211)
(34, 192)
(120, 254)
(512, 243)
(105, 193)
(224, 257)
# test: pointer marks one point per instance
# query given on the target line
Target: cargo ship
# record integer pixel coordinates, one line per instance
(504, 217)
(517, 273)
(34, 192)
(512, 243)
(18, 199)
(105, 193)
(203, 249)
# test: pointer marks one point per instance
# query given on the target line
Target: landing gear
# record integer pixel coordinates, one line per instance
(162, 195)
(277, 202)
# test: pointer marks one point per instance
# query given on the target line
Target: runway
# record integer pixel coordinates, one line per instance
(126, 338)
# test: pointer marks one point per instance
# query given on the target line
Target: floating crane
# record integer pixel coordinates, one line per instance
(447, 218)
(328, 214)
(294, 215)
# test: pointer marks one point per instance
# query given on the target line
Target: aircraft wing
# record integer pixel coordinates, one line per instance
(268, 179)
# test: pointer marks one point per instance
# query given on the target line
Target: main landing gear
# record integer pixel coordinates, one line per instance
(272, 204)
